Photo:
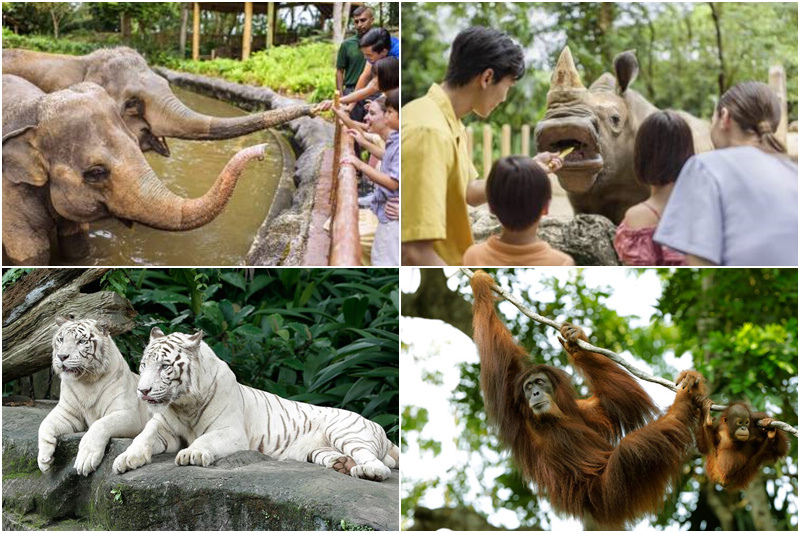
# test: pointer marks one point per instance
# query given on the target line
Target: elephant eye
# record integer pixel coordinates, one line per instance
(95, 174)
(133, 106)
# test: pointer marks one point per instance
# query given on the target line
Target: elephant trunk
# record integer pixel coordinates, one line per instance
(174, 119)
(157, 207)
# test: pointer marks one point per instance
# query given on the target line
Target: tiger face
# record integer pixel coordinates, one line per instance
(165, 368)
(78, 348)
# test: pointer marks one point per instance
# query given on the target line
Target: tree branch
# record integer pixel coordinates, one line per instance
(612, 355)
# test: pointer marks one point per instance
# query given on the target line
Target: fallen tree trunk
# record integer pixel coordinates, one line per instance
(31, 305)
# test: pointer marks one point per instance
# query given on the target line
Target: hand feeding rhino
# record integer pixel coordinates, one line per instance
(601, 123)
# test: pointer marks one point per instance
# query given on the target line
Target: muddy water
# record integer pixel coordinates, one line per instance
(190, 172)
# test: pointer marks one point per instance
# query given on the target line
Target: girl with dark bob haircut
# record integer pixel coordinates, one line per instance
(663, 144)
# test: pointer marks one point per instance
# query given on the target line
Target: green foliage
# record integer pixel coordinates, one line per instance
(306, 69)
(676, 44)
(322, 336)
(301, 69)
(741, 327)
(12, 275)
(47, 44)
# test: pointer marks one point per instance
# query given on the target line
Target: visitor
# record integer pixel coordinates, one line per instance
(737, 205)
(518, 191)
(663, 144)
(439, 177)
(386, 78)
(384, 119)
(350, 61)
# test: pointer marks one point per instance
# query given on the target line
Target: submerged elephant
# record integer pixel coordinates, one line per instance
(69, 159)
(601, 124)
(143, 98)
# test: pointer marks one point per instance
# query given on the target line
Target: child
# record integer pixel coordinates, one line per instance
(384, 119)
(663, 144)
(518, 191)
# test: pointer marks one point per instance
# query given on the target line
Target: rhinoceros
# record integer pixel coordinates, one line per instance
(600, 123)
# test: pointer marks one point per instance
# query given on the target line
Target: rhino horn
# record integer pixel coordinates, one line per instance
(565, 84)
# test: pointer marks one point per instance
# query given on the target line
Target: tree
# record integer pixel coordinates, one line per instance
(341, 12)
(58, 11)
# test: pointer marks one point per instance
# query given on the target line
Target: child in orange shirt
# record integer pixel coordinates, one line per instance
(518, 191)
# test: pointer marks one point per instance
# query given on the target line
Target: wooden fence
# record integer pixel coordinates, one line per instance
(777, 80)
(345, 241)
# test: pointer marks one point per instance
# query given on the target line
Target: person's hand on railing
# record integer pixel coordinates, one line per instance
(353, 160)
(357, 135)
(339, 113)
(393, 208)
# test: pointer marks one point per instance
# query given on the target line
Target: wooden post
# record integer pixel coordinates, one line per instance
(270, 24)
(196, 32)
(526, 140)
(247, 34)
(345, 240)
(777, 80)
(505, 141)
(337, 135)
(487, 150)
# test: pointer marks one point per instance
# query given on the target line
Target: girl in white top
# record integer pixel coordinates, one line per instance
(737, 205)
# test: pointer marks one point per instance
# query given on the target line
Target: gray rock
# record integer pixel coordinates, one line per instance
(589, 239)
(245, 491)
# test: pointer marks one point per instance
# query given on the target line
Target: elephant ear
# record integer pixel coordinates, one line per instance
(22, 161)
(626, 67)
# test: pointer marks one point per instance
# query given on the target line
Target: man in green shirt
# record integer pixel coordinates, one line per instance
(350, 61)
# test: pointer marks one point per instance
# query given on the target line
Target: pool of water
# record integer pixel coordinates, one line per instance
(190, 172)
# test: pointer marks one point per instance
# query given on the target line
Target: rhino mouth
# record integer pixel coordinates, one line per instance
(584, 163)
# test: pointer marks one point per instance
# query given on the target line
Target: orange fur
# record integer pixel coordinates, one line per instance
(732, 463)
(578, 457)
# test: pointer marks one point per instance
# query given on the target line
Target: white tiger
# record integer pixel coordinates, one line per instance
(200, 403)
(98, 392)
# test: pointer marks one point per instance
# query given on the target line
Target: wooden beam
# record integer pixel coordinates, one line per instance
(777, 80)
(247, 34)
(271, 24)
(196, 32)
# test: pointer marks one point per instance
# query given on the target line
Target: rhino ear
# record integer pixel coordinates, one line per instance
(627, 68)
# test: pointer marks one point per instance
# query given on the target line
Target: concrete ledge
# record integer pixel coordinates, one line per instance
(283, 236)
(245, 491)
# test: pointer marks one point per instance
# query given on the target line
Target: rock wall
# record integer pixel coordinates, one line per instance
(245, 491)
(282, 237)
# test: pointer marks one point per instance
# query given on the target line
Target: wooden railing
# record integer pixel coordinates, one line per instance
(505, 143)
(345, 241)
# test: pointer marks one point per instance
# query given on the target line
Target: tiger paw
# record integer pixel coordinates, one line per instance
(373, 472)
(130, 460)
(343, 464)
(195, 457)
(45, 462)
(88, 458)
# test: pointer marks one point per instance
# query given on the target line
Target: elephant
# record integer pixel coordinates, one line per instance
(143, 98)
(69, 159)
(601, 124)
